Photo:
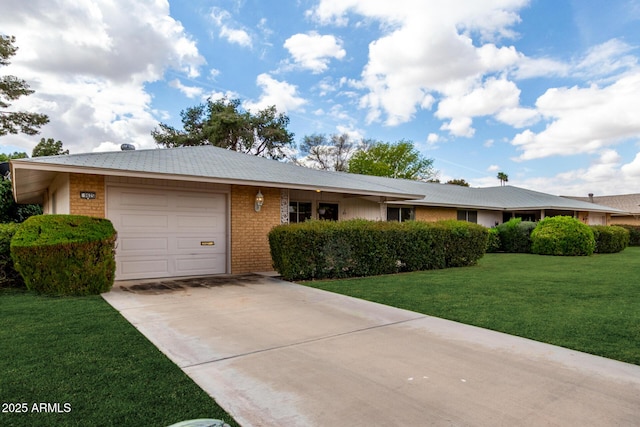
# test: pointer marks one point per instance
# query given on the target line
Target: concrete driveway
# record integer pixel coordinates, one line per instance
(273, 353)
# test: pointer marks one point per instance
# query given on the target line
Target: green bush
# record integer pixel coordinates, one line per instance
(465, 242)
(327, 249)
(634, 233)
(610, 239)
(515, 235)
(562, 235)
(9, 277)
(493, 241)
(65, 254)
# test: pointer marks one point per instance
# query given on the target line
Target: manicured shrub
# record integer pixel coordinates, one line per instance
(493, 241)
(327, 249)
(9, 277)
(65, 254)
(562, 235)
(610, 238)
(634, 233)
(465, 242)
(515, 235)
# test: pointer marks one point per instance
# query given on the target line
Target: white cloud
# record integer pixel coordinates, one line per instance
(281, 94)
(89, 62)
(229, 30)
(314, 51)
(433, 138)
(584, 120)
(494, 96)
(493, 168)
(425, 48)
(188, 91)
(604, 176)
(632, 170)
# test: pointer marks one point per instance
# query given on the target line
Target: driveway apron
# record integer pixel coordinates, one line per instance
(274, 353)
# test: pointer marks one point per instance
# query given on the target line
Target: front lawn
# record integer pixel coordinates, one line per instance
(77, 362)
(591, 304)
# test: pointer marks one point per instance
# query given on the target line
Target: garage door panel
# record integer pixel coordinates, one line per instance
(200, 244)
(199, 265)
(136, 199)
(139, 221)
(160, 232)
(199, 222)
(128, 246)
(195, 202)
(139, 268)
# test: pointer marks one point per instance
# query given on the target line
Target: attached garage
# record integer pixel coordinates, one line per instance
(167, 232)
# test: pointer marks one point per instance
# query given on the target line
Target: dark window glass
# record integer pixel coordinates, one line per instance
(299, 211)
(328, 211)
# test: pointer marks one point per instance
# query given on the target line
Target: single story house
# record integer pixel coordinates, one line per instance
(629, 204)
(206, 210)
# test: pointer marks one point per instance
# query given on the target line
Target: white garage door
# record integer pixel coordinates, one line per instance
(165, 233)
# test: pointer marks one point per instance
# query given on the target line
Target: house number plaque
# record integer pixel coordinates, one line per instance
(89, 195)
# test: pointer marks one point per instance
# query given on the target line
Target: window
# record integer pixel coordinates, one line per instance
(328, 211)
(299, 211)
(400, 214)
(469, 216)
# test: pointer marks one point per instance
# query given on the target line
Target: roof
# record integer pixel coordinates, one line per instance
(508, 198)
(630, 203)
(212, 164)
(202, 163)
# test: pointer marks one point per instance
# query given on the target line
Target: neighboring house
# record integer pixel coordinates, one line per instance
(628, 203)
(206, 210)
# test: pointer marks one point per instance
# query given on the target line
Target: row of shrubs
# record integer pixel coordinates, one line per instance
(560, 235)
(327, 249)
(58, 254)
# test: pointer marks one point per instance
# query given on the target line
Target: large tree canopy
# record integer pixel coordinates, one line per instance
(399, 160)
(12, 88)
(48, 147)
(224, 123)
(327, 153)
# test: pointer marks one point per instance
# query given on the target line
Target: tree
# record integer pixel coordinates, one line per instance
(223, 123)
(461, 182)
(48, 147)
(322, 153)
(503, 177)
(12, 88)
(10, 211)
(399, 160)
(16, 155)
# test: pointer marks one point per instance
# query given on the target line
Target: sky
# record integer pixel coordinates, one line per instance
(546, 91)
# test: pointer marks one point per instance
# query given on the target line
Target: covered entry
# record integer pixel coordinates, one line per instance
(168, 232)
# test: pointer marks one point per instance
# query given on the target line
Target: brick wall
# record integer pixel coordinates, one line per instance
(435, 214)
(90, 207)
(249, 229)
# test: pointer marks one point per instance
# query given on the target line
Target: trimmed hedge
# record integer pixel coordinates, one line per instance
(634, 233)
(328, 249)
(610, 239)
(562, 235)
(65, 254)
(9, 277)
(515, 235)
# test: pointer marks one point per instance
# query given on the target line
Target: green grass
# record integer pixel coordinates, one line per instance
(590, 304)
(80, 351)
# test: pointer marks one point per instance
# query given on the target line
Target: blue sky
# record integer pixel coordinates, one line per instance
(545, 91)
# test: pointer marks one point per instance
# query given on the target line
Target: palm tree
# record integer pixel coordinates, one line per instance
(503, 177)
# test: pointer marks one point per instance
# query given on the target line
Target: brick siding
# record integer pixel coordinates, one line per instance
(90, 207)
(249, 229)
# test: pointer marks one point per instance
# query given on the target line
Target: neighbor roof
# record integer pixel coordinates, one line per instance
(630, 203)
(213, 164)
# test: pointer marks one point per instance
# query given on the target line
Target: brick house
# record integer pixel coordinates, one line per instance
(206, 210)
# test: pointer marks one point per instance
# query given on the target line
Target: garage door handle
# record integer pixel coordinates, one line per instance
(209, 243)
